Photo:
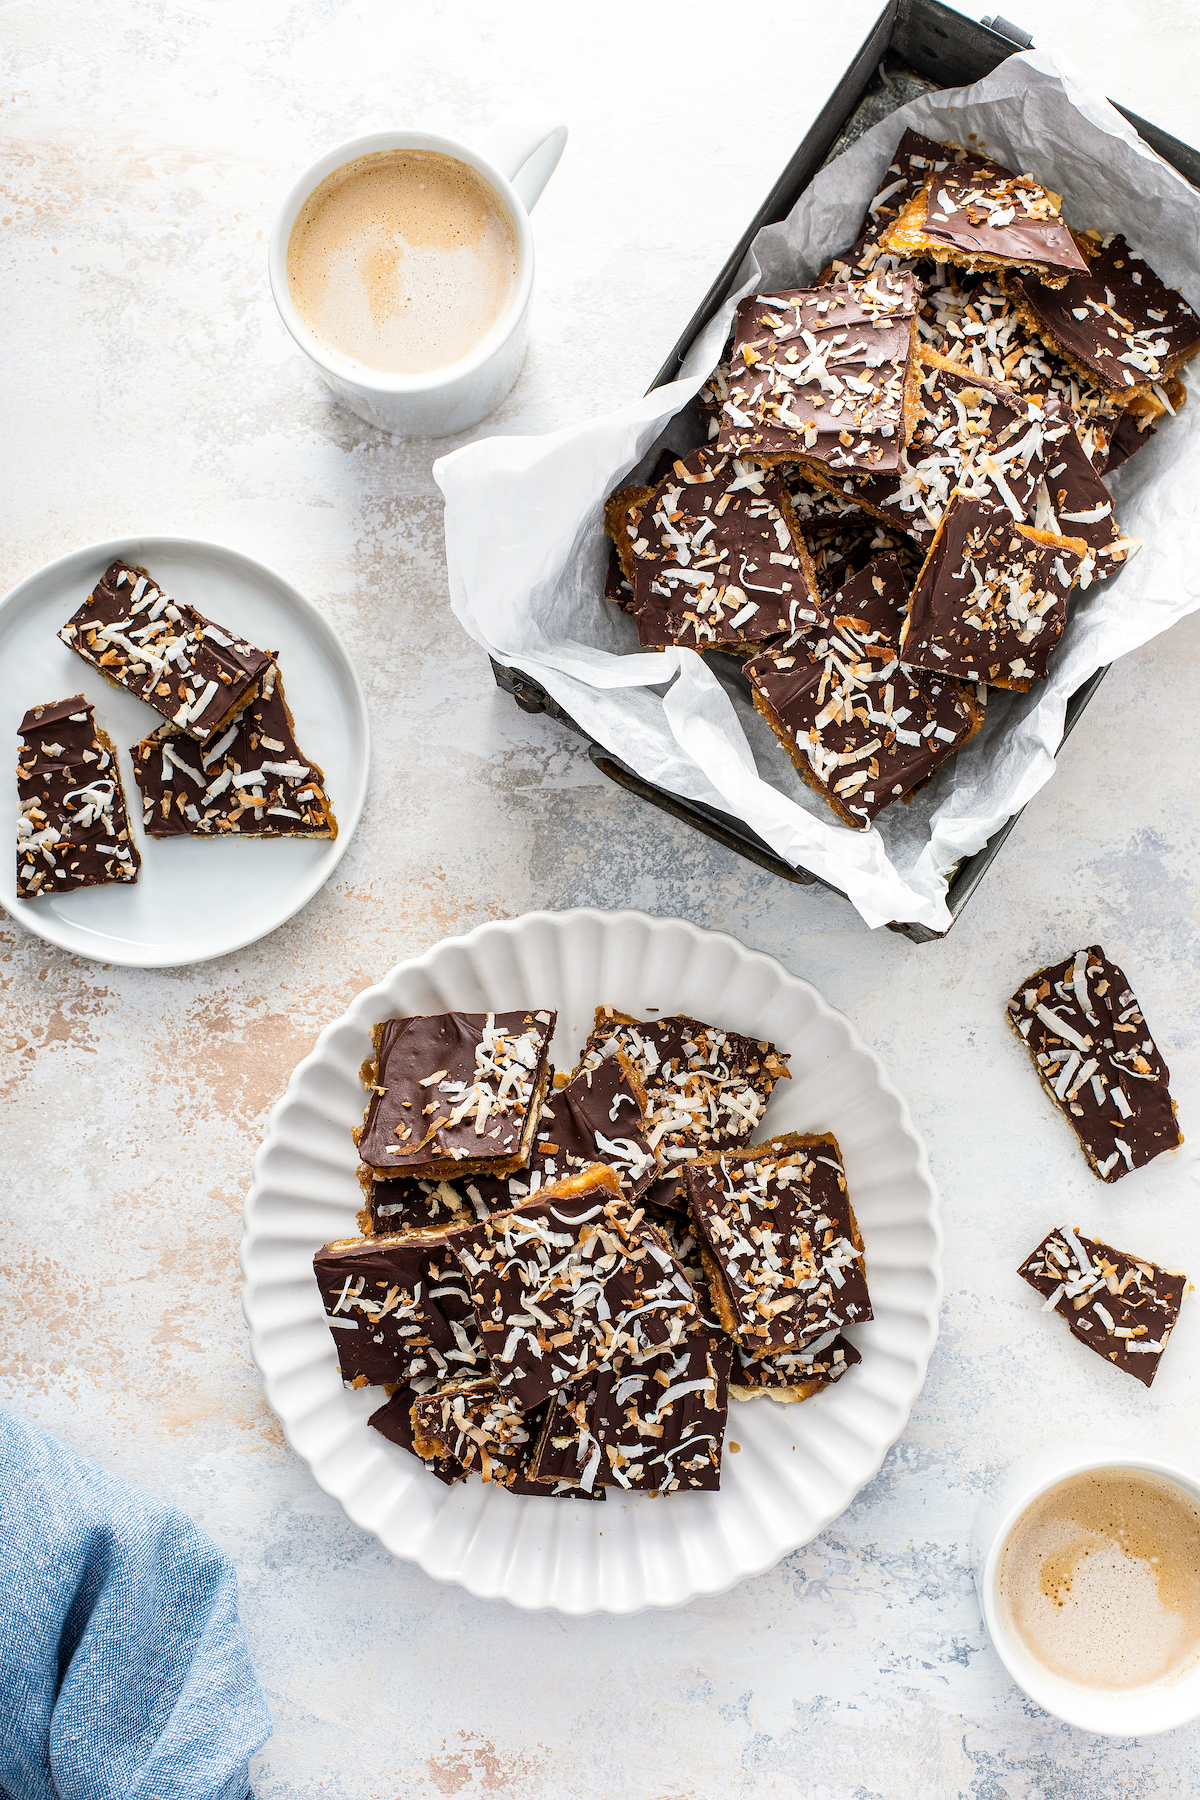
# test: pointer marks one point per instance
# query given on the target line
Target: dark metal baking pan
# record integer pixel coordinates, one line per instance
(914, 45)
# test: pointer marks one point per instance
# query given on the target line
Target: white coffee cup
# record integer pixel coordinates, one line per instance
(517, 158)
(1131, 1712)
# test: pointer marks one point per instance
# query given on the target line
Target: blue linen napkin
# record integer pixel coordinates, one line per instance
(124, 1673)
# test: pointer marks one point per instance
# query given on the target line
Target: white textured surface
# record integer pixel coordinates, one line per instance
(149, 387)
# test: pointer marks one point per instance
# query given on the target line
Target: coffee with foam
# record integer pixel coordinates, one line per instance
(1099, 1580)
(402, 261)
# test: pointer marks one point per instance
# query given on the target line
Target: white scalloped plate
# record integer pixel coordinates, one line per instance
(798, 1466)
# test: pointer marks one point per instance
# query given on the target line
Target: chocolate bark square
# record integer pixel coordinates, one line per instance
(475, 1425)
(780, 1242)
(704, 1086)
(252, 781)
(821, 376)
(568, 1281)
(1123, 1307)
(861, 727)
(1082, 1025)
(714, 556)
(1114, 320)
(195, 673)
(916, 159)
(990, 602)
(455, 1094)
(72, 828)
(398, 1307)
(655, 1424)
(978, 215)
(792, 1375)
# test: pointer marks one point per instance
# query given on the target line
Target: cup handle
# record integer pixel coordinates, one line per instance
(525, 146)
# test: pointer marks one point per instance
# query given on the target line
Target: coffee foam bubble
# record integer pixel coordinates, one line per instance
(402, 261)
(1100, 1580)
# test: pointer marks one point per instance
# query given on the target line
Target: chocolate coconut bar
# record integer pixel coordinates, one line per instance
(569, 1280)
(978, 216)
(473, 1424)
(842, 537)
(253, 781)
(617, 589)
(916, 159)
(454, 1094)
(72, 828)
(780, 1243)
(1082, 1026)
(704, 1086)
(1114, 321)
(821, 376)
(861, 727)
(1122, 1307)
(990, 602)
(714, 556)
(393, 1421)
(791, 1374)
(398, 1307)
(195, 673)
(1074, 498)
(655, 1425)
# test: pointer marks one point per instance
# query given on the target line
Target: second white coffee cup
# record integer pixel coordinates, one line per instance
(516, 158)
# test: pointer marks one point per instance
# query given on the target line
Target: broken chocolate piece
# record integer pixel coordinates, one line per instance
(1123, 1307)
(455, 1094)
(569, 1280)
(1091, 1047)
(704, 1086)
(714, 556)
(843, 538)
(195, 673)
(72, 828)
(1074, 498)
(253, 781)
(394, 1421)
(790, 1374)
(990, 602)
(861, 728)
(821, 375)
(398, 1307)
(915, 160)
(473, 1424)
(977, 215)
(1114, 321)
(780, 1243)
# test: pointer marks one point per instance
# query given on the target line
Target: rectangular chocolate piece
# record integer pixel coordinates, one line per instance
(253, 781)
(398, 1307)
(714, 556)
(72, 829)
(570, 1280)
(821, 375)
(1114, 320)
(195, 673)
(970, 320)
(861, 727)
(792, 1375)
(990, 602)
(455, 1094)
(1092, 1048)
(653, 1425)
(915, 160)
(977, 215)
(475, 1425)
(704, 1086)
(780, 1242)
(1122, 1307)
(1074, 498)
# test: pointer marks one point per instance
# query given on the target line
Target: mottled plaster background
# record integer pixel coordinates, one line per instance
(149, 387)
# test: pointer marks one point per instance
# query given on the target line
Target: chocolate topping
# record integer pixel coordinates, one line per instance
(780, 1243)
(475, 1425)
(791, 1374)
(861, 728)
(843, 538)
(1077, 500)
(916, 158)
(394, 1421)
(978, 215)
(398, 1308)
(1115, 320)
(991, 601)
(455, 1094)
(570, 1280)
(1097, 1061)
(819, 374)
(195, 673)
(72, 829)
(1122, 1307)
(252, 781)
(714, 556)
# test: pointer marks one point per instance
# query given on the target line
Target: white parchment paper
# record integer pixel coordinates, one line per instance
(527, 552)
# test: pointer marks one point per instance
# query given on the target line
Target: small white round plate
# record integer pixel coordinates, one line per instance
(195, 897)
(797, 1468)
